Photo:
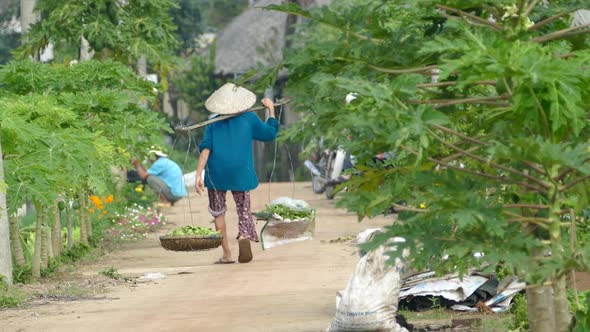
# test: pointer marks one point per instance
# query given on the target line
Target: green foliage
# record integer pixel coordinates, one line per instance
(22, 274)
(3, 283)
(9, 40)
(111, 273)
(62, 116)
(494, 145)
(135, 193)
(520, 321)
(122, 30)
(11, 297)
(53, 263)
(187, 17)
(581, 320)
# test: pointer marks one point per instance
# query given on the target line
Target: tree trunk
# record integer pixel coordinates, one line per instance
(562, 315)
(28, 15)
(83, 232)
(49, 241)
(85, 52)
(540, 309)
(17, 248)
(5, 255)
(142, 66)
(36, 268)
(70, 226)
(56, 240)
(87, 218)
(142, 72)
(44, 239)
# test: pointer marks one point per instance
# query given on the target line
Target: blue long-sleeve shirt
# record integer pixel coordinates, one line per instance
(171, 174)
(231, 162)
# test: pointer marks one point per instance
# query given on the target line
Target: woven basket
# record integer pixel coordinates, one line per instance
(191, 242)
(287, 230)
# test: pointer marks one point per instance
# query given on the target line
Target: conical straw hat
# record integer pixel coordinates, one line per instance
(230, 99)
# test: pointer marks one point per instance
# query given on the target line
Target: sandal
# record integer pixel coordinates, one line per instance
(245, 255)
(222, 261)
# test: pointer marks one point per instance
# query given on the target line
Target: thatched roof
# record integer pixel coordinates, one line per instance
(581, 17)
(256, 36)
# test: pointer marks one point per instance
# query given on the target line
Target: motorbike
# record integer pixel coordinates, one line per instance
(326, 172)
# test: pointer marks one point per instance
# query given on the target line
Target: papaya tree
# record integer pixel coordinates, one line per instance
(64, 126)
(485, 103)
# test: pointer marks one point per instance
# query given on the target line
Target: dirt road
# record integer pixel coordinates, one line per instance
(288, 288)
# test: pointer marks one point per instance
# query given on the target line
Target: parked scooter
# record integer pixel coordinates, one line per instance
(326, 173)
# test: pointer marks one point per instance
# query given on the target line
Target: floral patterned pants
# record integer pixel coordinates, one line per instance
(217, 207)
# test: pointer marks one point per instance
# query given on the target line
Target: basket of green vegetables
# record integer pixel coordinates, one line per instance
(191, 238)
(287, 221)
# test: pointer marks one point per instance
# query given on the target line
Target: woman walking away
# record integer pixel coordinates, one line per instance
(228, 162)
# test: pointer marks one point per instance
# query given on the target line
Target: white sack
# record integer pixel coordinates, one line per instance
(369, 301)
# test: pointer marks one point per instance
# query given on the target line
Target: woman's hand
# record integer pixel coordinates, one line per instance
(267, 102)
(200, 185)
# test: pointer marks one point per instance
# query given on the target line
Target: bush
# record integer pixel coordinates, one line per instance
(581, 313)
(10, 297)
(520, 320)
(22, 274)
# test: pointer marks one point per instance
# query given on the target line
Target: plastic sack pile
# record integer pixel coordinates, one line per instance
(376, 291)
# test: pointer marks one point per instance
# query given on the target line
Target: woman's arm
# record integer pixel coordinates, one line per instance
(266, 132)
(200, 184)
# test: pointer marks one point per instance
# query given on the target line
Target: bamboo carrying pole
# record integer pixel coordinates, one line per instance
(282, 101)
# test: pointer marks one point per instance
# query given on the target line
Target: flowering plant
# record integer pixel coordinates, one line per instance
(134, 223)
(100, 205)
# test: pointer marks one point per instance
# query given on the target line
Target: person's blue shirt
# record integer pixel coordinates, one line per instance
(171, 174)
(231, 163)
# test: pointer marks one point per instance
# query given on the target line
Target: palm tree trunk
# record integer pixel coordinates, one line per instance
(36, 268)
(5, 255)
(83, 232)
(28, 15)
(44, 239)
(17, 248)
(88, 218)
(142, 72)
(56, 240)
(70, 226)
(49, 242)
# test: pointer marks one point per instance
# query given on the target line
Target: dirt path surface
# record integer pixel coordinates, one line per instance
(287, 288)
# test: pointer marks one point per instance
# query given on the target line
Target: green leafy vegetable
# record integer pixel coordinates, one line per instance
(286, 212)
(193, 230)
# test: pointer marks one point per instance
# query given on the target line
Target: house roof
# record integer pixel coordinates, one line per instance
(256, 36)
